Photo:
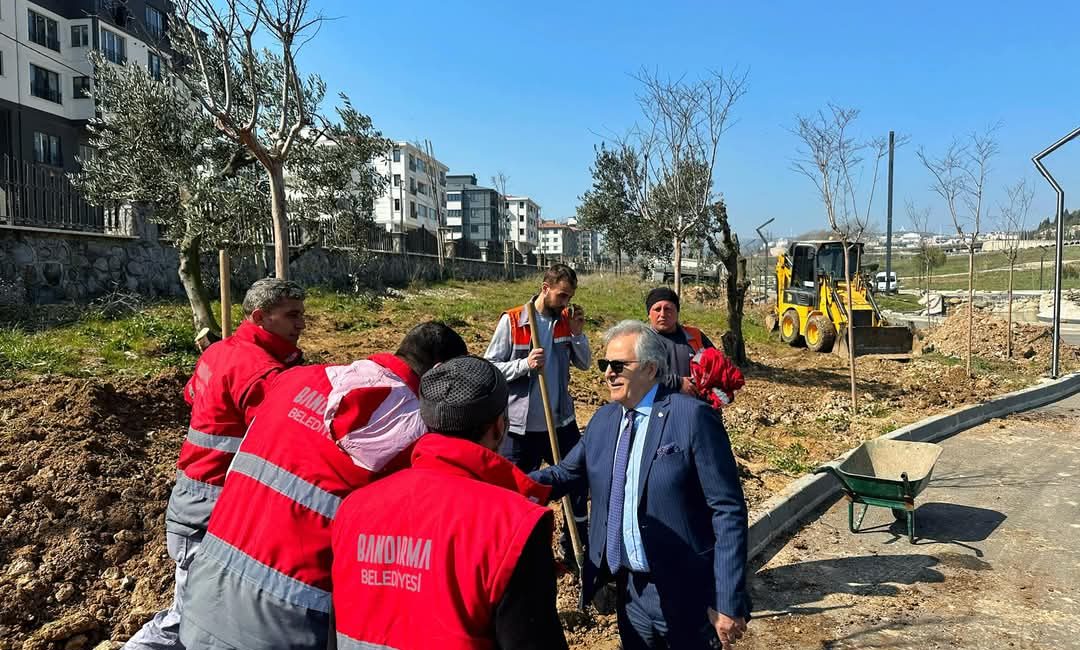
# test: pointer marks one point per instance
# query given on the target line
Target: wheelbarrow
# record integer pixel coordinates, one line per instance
(887, 474)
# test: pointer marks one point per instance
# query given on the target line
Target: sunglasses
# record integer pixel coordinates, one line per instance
(616, 366)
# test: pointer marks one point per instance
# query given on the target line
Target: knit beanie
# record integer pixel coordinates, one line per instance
(661, 293)
(462, 394)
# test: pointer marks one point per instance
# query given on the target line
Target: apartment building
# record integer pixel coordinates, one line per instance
(588, 242)
(45, 74)
(524, 223)
(415, 195)
(473, 212)
(558, 240)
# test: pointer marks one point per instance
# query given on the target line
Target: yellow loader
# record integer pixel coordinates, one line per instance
(811, 303)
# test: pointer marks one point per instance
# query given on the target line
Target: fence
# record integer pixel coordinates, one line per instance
(41, 196)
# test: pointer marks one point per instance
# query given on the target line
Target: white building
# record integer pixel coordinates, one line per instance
(558, 240)
(415, 195)
(524, 223)
(45, 76)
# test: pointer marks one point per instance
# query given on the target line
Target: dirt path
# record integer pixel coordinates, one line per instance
(997, 564)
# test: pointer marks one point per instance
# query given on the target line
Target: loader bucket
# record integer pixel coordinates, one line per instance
(894, 341)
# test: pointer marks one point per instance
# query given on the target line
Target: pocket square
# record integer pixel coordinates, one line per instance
(668, 449)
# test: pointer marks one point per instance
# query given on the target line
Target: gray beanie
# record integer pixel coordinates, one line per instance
(462, 394)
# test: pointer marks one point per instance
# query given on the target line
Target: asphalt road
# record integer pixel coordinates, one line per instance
(997, 564)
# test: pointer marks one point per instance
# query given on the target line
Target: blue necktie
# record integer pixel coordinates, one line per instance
(616, 554)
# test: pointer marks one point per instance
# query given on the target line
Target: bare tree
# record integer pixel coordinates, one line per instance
(834, 160)
(959, 177)
(500, 180)
(1013, 222)
(926, 251)
(437, 182)
(676, 148)
(256, 96)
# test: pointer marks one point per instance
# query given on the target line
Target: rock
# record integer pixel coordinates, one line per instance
(112, 577)
(1029, 353)
(64, 592)
(20, 567)
(77, 642)
(127, 536)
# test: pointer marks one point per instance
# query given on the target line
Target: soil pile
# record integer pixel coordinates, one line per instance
(85, 472)
(989, 338)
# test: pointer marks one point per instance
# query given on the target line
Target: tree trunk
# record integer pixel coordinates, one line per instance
(678, 264)
(1009, 338)
(850, 327)
(618, 260)
(737, 284)
(929, 316)
(190, 273)
(971, 301)
(280, 220)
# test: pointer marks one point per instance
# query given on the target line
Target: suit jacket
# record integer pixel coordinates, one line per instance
(691, 510)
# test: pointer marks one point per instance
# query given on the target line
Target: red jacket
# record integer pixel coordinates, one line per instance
(422, 558)
(228, 384)
(266, 557)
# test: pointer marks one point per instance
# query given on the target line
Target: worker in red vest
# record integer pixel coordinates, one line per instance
(262, 577)
(562, 343)
(682, 341)
(454, 552)
(230, 381)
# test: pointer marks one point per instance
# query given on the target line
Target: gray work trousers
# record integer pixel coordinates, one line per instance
(163, 631)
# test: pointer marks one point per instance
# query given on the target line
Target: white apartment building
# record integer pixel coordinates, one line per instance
(45, 75)
(588, 243)
(524, 223)
(558, 240)
(415, 195)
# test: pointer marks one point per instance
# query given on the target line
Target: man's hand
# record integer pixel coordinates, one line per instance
(728, 630)
(576, 319)
(536, 359)
(688, 387)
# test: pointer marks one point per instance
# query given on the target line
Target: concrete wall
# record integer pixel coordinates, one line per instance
(45, 267)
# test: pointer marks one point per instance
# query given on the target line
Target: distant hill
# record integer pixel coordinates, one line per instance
(1045, 229)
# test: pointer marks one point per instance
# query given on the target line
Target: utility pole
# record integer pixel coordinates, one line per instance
(889, 287)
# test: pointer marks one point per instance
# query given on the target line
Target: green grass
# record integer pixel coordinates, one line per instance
(161, 336)
(901, 302)
(908, 266)
(157, 337)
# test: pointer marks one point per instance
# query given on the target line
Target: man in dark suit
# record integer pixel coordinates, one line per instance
(668, 519)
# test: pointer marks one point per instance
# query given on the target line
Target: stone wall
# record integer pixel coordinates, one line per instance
(39, 267)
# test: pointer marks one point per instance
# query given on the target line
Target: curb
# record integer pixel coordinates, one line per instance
(783, 511)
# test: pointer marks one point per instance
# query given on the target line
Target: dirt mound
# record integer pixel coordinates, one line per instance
(1031, 342)
(85, 471)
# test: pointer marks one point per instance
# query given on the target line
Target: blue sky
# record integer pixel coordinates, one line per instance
(530, 88)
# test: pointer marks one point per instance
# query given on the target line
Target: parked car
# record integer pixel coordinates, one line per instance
(881, 285)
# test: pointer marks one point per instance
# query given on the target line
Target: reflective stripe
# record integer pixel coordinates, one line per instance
(522, 347)
(191, 486)
(348, 643)
(299, 490)
(562, 339)
(265, 577)
(229, 444)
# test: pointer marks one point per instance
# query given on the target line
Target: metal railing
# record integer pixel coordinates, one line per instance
(41, 196)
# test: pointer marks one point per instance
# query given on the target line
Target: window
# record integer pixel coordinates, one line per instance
(521, 232)
(412, 185)
(86, 152)
(442, 178)
(153, 63)
(80, 87)
(113, 47)
(44, 84)
(421, 188)
(43, 31)
(397, 205)
(474, 228)
(80, 36)
(412, 209)
(453, 196)
(521, 204)
(47, 149)
(521, 217)
(155, 22)
(454, 213)
(397, 180)
(397, 155)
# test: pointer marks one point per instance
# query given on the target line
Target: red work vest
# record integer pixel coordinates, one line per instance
(422, 558)
(271, 526)
(693, 339)
(220, 396)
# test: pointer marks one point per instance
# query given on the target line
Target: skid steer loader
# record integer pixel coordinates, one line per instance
(811, 303)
